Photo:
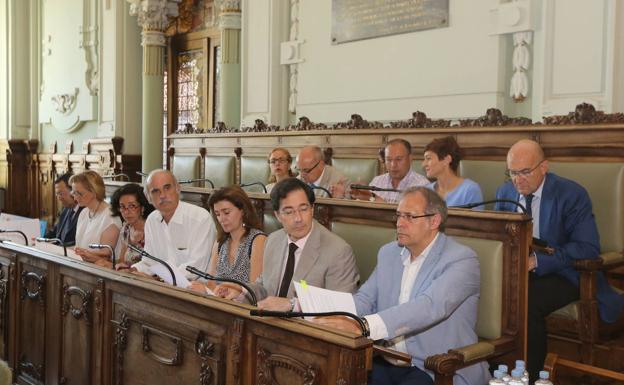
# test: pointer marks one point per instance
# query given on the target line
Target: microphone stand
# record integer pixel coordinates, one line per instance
(196, 271)
(140, 173)
(296, 314)
(197, 180)
(475, 204)
(373, 188)
(103, 246)
(115, 176)
(254, 184)
(144, 253)
(17, 232)
(53, 240)
(315, 187)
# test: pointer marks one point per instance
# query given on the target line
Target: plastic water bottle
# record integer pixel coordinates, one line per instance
(498, 378)
(516, 377)
(503, 369)
(543, 378)
(525, 375)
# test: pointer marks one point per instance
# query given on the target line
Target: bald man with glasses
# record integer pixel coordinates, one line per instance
(563, 218)
(313, 170)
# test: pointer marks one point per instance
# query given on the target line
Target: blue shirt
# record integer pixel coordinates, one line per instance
(467, 192)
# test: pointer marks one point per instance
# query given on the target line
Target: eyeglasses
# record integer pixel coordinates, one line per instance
(289, 212)
(398, 159)
(522, 173)
(278, 161)
(77, 193)
(409, 217)
(307, 170)
(130, 207)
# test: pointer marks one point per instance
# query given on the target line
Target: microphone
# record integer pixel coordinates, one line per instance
(144, 253)
(103, 246)
(254, 184)
(197, 180)
(116, 176)
(53, 240)
(475, 204)
(17, 232)
(296, 314)
(196, 271)
(315, 187)
(373, 188)
(140, 173)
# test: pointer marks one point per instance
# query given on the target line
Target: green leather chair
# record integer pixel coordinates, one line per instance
(254, 169)
(221, 170)
(359, 171)
(186, 167)
(489, 174)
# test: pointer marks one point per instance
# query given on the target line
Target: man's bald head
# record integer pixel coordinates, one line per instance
(527, 166)
(310, 163)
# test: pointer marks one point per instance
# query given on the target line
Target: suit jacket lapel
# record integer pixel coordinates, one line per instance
(430, 262)
(275, 270)
(547, 202)
(309, 254)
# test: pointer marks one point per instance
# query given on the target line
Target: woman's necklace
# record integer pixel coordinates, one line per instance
(91, 216)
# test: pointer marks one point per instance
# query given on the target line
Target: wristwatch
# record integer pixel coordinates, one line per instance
(372, 198)
(293, 303)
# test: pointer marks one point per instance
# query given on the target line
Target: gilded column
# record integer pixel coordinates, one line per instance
(230, 82)
(153, 17)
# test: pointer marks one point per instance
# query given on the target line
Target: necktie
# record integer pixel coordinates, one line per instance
(528, 199)
(288, 272)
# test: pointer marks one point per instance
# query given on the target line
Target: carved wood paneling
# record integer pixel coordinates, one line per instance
(83, 309)
(295, 369)
(33, 286)
(120, 343)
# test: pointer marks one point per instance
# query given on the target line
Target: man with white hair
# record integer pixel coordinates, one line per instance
(313, 170)
(177, 232)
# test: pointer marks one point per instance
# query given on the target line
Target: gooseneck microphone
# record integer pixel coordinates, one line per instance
(113, 176)
(140, 173)
(17, 232)
(315, 187)
(373, 188)
(254, 184)
(475, 204)
(103, 246)
(296, 314)
(54, 241)
(188, 181)
(199, 273)
(145, 254)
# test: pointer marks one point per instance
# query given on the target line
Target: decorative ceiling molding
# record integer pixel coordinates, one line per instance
(153, 17)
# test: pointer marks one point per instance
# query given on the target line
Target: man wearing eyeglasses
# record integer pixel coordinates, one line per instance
(65, 228)
(302, 250)
(562, 216)
(313, 170)
(422, 297)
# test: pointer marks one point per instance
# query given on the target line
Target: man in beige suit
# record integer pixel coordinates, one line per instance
(313, 170)
(303, 249)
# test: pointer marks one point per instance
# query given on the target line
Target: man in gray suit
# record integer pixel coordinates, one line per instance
(313, 170)
(422, 297)
(302, 250)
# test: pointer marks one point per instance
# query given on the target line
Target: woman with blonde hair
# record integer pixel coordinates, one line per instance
(280, 162)
(95, 223)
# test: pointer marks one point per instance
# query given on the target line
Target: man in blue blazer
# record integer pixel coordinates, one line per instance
(65, 228)
(422, 297)
(562, 216)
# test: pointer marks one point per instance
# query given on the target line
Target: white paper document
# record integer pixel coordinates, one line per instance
(316, 300)
(51, 248)
(28, 226)
(164, 273)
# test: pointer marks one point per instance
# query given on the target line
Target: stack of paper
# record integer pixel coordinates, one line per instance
(317, 300)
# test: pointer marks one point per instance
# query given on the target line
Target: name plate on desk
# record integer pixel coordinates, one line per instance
(365, 19)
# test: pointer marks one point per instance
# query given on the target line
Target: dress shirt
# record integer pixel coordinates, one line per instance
(89, 229)
(185, 241)
(384, 181)
(378, 329)
(535, 208)
(300, 245)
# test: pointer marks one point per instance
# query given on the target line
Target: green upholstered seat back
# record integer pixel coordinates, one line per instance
(360, 171)
(271, 223)
(490, 314)
(254, 169)
(186, 167)
(489, 174)
(604, 183)
(366, 240)
(221, 170)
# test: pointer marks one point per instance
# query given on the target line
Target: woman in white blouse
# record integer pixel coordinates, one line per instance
(95, 223)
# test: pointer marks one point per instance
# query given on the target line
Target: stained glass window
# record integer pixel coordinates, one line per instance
(190, 96)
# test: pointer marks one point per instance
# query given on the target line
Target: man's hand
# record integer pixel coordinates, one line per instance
(361, 195)
(532, 265)
(339, 322)
(87, 255)
(338, 190)
(275, 303)
(228, 291)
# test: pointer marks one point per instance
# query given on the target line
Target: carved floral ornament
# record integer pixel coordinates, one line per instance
(583, 114)
(153, 15)
(65, 103)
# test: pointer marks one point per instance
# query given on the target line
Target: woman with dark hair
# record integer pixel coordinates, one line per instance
(95, 222)
(129, 203)
(239, 249)
(441, 162)
(280, 162)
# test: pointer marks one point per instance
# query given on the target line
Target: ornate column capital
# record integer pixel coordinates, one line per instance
(153, 16)
(229, 14)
